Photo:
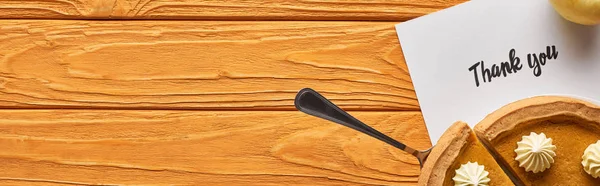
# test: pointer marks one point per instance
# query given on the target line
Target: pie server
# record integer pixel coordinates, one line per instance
(311, 102)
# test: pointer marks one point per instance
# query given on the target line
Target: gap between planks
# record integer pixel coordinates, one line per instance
(213, 20)
(198, 109)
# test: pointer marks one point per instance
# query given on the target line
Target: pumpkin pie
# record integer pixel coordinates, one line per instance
(544, 140)
(459, 158)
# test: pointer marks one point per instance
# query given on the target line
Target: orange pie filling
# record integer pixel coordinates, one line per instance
(571, 139)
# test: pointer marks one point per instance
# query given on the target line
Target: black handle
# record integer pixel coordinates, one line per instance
(312, 103)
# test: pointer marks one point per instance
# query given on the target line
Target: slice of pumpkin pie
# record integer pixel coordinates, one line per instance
(460, 159)
(546, 140)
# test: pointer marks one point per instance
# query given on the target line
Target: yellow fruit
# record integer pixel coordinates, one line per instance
(585, 12)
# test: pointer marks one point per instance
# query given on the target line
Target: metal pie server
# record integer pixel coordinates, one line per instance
(313, 103)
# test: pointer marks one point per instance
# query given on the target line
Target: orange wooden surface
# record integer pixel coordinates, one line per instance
(201, 65)
(180, 92)
(204, 147)
(374, 10)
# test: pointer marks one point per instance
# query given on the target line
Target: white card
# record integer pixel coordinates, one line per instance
(440, 49)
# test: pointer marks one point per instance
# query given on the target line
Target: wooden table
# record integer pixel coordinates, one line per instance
(201, 92)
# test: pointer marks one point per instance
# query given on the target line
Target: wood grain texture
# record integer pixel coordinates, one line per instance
(200, 65)
(391, 10)
(203, 148)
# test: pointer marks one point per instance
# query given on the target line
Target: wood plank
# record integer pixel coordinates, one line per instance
(200, 65)
(204, 148)
(391, 10)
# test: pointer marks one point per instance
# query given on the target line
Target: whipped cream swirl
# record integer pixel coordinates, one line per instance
(535, 152)
(471, 174)
(591, 159)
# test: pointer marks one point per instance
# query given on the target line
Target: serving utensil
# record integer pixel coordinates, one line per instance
(311, 102)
